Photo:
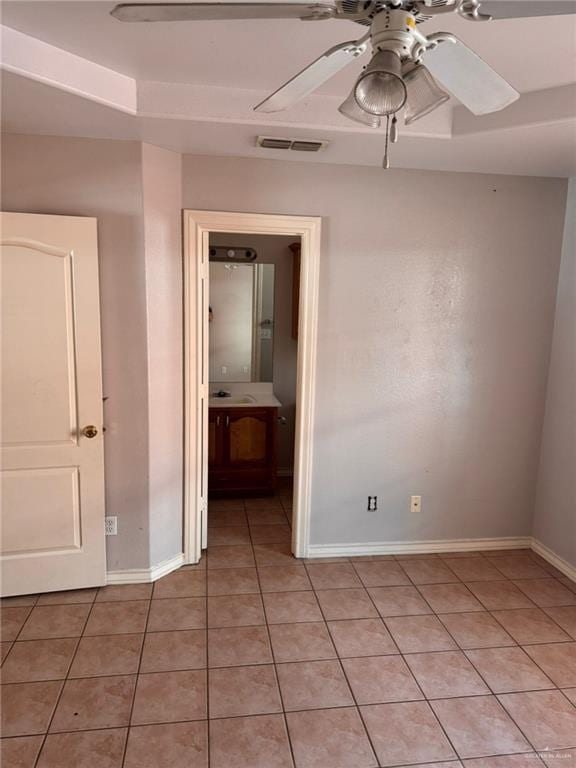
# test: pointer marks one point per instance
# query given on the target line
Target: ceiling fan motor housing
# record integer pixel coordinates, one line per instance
(395, 30)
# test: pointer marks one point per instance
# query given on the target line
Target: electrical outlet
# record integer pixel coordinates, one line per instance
(372, 503)
(111, 526)
(416, 504)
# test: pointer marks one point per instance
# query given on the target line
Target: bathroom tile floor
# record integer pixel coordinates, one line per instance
(252, 659)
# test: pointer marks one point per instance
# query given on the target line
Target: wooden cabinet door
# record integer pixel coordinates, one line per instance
(215, 437)
(249, 438)
(242, 450)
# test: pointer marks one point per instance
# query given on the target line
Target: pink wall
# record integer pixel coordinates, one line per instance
(84, 177)
(134, 190)
(437, 295)
(437, 300)
(162, 195)
(555, 512)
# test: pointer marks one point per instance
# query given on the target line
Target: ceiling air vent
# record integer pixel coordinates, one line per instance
(307, 146)
(296, 145)
(269, 143)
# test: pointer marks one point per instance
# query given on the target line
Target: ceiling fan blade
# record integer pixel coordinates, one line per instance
(313, 76)
(516, 9)
(222, 11)
(469, 78)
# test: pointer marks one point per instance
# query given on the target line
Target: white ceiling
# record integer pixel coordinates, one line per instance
(247, 59)
(531, 53)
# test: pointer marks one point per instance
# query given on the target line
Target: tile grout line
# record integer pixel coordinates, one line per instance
(322, 562)
(538, 642)
(402, 656)
(285, 715)
(339, 659)
(315, 591)
(24, 623)
(262, 714)
(208, 758)
(517, 645)
(461, 581)
(301, 711)
(457, 649)
(495, 695)
(552, 687)
(436, 717)
(274, 664)
(63, 686)
(137, 677)
(437, 613)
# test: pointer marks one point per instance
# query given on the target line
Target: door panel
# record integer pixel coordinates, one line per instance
(56, 492)
(38, 306)
(52, 474)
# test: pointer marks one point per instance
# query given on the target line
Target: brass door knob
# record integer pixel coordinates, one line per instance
(90, 431)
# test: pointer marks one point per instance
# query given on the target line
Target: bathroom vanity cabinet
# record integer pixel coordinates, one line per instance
(241, 450)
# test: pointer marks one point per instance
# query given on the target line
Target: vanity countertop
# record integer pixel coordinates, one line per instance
(239, 400)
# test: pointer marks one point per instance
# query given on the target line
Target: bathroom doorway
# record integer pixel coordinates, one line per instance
(251, 296)
(252, 361)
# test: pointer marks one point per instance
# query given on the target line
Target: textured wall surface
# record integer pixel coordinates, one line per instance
(555, 513)
(134, 190)
(162, 220)
(84, 177)
(437, 299)
(437, 296)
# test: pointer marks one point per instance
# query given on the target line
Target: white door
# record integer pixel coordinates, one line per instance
(51, 443)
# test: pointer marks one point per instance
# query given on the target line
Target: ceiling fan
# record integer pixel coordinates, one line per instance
(406, 65)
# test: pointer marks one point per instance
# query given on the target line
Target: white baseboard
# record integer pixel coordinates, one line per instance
(145, 575)
(558, 562)
(416, 547)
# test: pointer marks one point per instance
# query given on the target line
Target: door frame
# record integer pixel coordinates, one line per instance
(197, 228)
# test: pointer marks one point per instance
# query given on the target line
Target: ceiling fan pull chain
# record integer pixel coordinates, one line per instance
(391, 136)
(394, 130)
(386, 159)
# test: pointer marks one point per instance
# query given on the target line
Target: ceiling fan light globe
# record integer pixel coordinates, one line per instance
(423, 94)
(350, 109)
(380, 94)
(380, 89)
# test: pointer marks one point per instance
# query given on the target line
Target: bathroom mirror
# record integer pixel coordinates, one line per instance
(241, 319)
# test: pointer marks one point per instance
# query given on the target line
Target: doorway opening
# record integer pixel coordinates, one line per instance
(234, 444)
(253, 292)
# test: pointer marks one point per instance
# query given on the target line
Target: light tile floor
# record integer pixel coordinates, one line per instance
(253, 659)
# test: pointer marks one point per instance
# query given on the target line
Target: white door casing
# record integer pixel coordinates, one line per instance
(197, 228)
(52, 521)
